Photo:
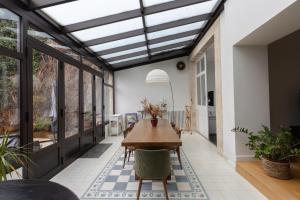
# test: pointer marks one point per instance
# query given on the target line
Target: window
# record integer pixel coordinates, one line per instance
(201, 81)
(98, 86)
(71, 100)
(108, 78)
(9, 29)
(50, 41)
(108, 101)
(88, 100)
(90, 64)
(9, 97)
(45, 100)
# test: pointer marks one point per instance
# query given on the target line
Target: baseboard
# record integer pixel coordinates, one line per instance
(245, 157)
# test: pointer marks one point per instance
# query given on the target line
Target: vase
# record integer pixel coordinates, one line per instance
(154, 122)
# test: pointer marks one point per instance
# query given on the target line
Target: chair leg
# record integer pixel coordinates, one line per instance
(165, 188)
(139, 189)
(129, 156)
(178, 155)
(125, 155)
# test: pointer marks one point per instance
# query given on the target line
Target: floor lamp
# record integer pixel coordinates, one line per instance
(160, 76)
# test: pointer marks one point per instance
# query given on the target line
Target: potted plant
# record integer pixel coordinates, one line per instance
(11, 158)
(276, 150)
(154, 110)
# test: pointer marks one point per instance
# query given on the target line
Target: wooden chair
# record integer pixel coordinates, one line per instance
(152, 165)
(128, 150)
(177, 149)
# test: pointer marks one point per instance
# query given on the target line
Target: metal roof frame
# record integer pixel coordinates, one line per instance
(63, 33)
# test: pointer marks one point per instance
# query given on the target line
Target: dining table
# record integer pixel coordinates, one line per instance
(145, 136)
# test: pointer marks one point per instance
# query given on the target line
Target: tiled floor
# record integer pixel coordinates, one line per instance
(219, 179)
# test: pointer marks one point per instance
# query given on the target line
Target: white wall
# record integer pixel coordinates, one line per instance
(251, 92)
(239, 19)
(131, 87)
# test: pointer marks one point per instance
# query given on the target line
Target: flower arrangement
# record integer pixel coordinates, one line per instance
(154, 110)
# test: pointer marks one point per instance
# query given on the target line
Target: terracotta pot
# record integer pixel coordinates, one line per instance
(154, 122)
(280, 170)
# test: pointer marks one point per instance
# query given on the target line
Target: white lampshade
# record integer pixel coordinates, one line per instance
(157, 76)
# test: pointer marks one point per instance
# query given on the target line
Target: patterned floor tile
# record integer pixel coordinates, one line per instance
(116, 183)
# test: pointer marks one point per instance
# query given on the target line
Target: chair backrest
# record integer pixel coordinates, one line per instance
(178, 131)
(127, 130)
(152, 164)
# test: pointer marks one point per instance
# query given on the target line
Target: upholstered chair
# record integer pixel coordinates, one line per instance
(152, 165)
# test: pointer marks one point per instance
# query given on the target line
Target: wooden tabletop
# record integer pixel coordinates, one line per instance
(144, 135)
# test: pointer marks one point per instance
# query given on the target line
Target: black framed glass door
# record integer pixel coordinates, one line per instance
(45, 120)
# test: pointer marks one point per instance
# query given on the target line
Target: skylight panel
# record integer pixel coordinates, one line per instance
(128, 59)
(121, 53)
(172, 41)
(180, 13)
(118, 43)
(154, 2)
(179, 29)
(82, 10)
(109, 29)
(168, 50)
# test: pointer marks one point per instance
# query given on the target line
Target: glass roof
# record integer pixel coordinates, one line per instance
(128, 59)
(180, 13)
(118, 43)
(113, 28)
(109, 29)
(121, 53)
(168, 50)
(172, 31)
(82, 10)
(154, 2)
(172, 42)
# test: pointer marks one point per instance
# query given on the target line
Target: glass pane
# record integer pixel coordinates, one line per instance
(124, 52)
(178, 29)
(202, 64)
(83, 10)
(198, 67)
(45, 100)
(172, 41)
(180, 13)
(168, 50)
(50, 41)
(88, 100)
(98, 85)
(118, 43)
(108, 101)
(198, 91)
(108, 77)
(9, 29)
(128, 59)
(109, 29)
(90, 64)
(9, 98)
(203, 90)
(154, 2)
(71, 100)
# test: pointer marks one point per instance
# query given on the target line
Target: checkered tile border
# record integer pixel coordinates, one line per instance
(115, 183)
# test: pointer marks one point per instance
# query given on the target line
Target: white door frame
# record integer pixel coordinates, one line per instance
(201, 107)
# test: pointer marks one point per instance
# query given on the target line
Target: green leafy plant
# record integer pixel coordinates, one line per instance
(42, 124)
(11, 158)
(279, 147)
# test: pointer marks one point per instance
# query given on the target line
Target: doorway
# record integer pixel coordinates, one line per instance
(206, 109)
(65, 104)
